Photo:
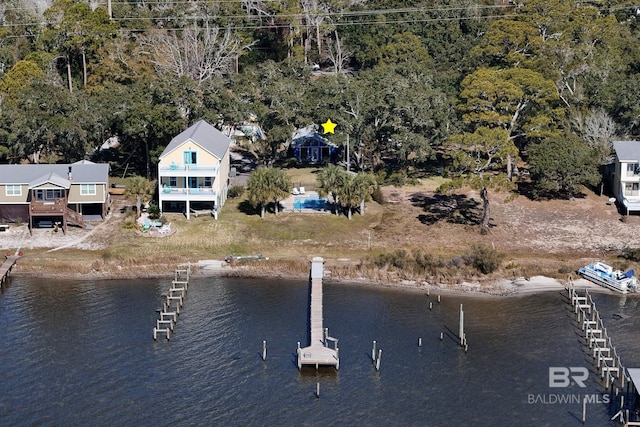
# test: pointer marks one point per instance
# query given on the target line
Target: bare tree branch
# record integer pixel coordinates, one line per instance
(196, 52)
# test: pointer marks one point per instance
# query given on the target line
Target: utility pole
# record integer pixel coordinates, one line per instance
(109, 9)
(348, 153)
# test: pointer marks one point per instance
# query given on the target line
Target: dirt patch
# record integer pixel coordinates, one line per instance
(585, 227)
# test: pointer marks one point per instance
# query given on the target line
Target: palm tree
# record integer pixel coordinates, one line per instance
(139, 189)
(349, 194)
(365, 184)
(259, 189)
(280, 186)
(331, 178)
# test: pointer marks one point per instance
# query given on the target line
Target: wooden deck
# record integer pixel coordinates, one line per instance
(6, 267)
(318, 353)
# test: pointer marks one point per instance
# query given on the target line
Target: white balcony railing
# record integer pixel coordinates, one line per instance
(183, 168)
(192, 192)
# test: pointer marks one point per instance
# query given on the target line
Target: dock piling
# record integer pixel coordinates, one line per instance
(175, 297)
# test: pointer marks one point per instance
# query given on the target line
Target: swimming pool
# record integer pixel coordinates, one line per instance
(309, 201)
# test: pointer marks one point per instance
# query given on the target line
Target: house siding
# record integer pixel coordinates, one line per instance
(76, 197)
(23, 198)
(177, 156)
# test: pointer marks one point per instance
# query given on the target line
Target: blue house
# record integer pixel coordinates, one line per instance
(310, 147)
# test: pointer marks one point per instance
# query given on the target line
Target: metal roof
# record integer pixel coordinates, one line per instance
(203, 134)
(83, 172)
(51, 178)
(627, 150)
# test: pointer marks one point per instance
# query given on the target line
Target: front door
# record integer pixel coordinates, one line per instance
(315, 154)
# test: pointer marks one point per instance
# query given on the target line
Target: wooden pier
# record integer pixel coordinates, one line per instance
(615, 378)
(319, 352)
(173, 302)
(7, 266)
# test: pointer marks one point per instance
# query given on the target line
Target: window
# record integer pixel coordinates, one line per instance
(207, 181)
(48, 194)
(87, 189)
(13, 190)
(190, 157)
(631, 189)
(633, 169)
(173, 181)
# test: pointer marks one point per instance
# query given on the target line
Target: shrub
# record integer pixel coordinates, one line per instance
(235, 191)
(377, 195)
(632, 254)
(153, 210)
(483, 258)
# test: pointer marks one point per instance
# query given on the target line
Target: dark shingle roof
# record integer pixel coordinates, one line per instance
(203, 134)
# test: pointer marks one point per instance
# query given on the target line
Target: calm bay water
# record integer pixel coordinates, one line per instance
(82, 353)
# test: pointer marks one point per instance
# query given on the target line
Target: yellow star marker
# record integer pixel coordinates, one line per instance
(328, 126)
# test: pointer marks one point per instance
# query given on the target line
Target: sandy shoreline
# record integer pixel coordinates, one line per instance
(18, 237)
(499, 288)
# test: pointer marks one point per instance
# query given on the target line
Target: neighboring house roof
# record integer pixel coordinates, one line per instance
(203, 134)
(83, 172)
(627, 150)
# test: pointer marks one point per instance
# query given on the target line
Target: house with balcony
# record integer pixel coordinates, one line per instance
(48, 195)
(626, 175)
(193, 171)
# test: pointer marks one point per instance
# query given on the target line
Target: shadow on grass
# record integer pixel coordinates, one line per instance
(528, 190)
(246, 208)
(456, 208)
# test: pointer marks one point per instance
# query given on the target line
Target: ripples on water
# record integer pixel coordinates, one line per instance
(82, 353)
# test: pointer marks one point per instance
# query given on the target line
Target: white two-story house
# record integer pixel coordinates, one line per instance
(626, 179)
(193, 171)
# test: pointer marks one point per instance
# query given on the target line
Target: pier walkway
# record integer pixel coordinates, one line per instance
(7, 266)
(319, 352)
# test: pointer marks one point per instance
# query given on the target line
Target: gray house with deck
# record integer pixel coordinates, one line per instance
(47, 194)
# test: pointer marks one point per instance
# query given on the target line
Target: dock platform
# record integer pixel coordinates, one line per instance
(7, 266)
(319, 352)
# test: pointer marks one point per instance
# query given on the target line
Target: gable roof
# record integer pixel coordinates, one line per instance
(627, 150)
(309, 135)
(203, 134)
(51, 178)
(83, 172)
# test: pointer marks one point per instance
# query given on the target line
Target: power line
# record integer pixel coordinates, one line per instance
(340, 15)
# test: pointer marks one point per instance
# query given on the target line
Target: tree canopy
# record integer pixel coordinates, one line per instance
(413, 88)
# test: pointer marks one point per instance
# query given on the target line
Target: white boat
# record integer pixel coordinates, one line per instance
(604, 275)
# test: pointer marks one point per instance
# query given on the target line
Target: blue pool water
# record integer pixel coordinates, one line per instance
(310, 201)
